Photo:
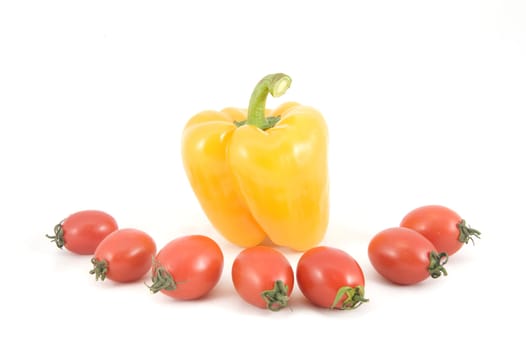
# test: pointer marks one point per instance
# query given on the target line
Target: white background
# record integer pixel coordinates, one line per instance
(425, 102)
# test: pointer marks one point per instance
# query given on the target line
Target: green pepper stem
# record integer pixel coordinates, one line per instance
(275, 84)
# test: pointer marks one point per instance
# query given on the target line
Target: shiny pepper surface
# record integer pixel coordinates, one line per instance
(259, 173)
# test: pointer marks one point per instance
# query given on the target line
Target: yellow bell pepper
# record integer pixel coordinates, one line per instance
(258, 173)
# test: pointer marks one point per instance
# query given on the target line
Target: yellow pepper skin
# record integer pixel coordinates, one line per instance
(259, 173)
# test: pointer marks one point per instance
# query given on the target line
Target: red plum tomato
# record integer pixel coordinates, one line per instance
(404, 256)
(187, 268)
(81, 232)
(123, 256)
(263, 277)
(442, 226)
(331, 278)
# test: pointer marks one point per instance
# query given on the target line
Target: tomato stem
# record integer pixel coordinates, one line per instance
(162, 279)
(276, 298)
(466, 232)
(354, 297)
(100, 269)
(58, 238)
(275, 84)
(436, 264)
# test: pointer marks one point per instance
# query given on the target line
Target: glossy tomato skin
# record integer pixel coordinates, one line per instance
(438, 224)
(258, 269)
(128, 253)
(321, 272)
(401, 255)
(81, 232)
(194, 262)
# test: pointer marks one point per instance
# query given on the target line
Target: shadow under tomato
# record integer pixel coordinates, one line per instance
(301, 304)
(378, 283)
(219, 293)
